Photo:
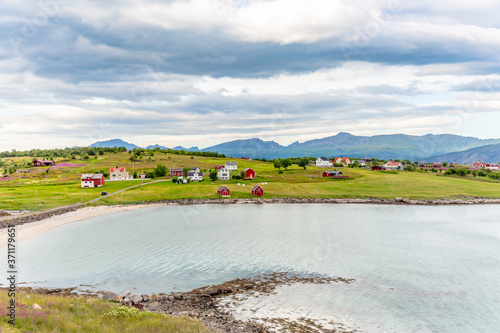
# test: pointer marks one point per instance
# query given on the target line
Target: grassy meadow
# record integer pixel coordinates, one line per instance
(85, 314)
(60, 186)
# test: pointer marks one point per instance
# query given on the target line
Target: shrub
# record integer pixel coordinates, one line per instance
(174, 180)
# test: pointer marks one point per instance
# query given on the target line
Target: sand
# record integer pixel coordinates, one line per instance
(28, 230)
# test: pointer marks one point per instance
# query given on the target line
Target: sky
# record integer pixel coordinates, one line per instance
(199, 73)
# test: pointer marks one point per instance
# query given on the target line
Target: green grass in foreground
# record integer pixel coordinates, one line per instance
(70, 314)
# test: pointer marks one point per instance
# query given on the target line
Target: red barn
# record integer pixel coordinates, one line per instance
(224, 192)
(257, 191)
(176, 172)
(41, 163)
(219, 166)
(249, 173)
(92, 180)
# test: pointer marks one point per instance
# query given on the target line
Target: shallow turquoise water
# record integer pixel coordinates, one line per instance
(417, 268)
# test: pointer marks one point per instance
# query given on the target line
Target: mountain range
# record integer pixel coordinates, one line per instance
(430, 147)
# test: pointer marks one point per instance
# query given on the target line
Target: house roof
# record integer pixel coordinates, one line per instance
(195, 168)
(393, 163)
(342, 159)
(248, 169)
(175, 170)
(231, 163)
(92, 175)
(117, 169)
(191, 173)
(255, 187)
(334, 172)
(222, 187)
(323, 158)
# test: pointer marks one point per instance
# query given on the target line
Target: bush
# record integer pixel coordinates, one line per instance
(462, 172)
(86, 157)
(482, 173)
(174, 180)
(160, 170)
(213, 175)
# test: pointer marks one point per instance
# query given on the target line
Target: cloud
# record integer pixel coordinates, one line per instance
(198, 72)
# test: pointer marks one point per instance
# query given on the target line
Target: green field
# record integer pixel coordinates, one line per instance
(41, 190)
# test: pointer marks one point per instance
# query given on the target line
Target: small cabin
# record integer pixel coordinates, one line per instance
(92, 180)
(224, 192)
(249, 173)
(257, 191)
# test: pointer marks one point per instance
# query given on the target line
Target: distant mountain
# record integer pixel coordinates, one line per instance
(114, 143)
(399, 146)
(156, 146)
(391, 146)
(489, 153)
(250, 147)
(187, 149)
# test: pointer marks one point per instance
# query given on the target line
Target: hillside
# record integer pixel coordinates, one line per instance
(489, 153)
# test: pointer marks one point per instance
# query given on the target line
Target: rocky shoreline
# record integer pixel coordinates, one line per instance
(209, 305)
(12, 220)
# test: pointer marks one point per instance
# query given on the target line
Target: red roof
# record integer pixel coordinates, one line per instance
(117, 169)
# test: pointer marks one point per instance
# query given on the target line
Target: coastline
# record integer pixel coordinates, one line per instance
(34, 223)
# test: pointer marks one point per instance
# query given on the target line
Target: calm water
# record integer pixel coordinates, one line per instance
(417, 269)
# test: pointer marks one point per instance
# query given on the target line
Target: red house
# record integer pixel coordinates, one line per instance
(41, 163)
(257, 191)
(249, 173)
(378, 167)
(142, 176)
(92, 180)
(224, 192)
(176, 172)
(219, 166)
(333, 173)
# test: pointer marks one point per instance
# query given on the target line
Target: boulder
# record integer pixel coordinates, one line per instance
(36, 306)
(135, 298)
(406, 200)
(109, 296)
(126, 301)
(145, 297)
(398, 199)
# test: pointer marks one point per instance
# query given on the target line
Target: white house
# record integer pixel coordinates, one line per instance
(323, 162)
(119, 174)
(231, 166)
(223, 174)
(391, 165)
(196, 169)
(195, 176)
(361, 163)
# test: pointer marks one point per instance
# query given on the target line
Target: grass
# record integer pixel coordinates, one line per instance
(61, 186)
(84, 314)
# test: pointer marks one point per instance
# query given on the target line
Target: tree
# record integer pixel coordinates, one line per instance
(160, 170)
(303, 162)
(278, 163)
(213, 175)
(186, 170)
(174, 180)
(86, 157)
(445, 164)
(474, 173)
(135, 174)
(286, 163)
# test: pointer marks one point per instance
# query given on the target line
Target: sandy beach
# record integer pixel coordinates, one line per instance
(28, 230)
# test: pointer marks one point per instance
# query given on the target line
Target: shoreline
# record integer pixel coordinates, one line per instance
(31, 224)
(214, 305)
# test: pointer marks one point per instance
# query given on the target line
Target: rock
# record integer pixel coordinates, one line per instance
(36, 306)
(398, 199)
(126, 301)
(135, 298)
(125, 294)
(406, 200)
(109, 296)
(145, 297)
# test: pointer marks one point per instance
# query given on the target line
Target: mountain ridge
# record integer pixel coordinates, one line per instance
(386, 146)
